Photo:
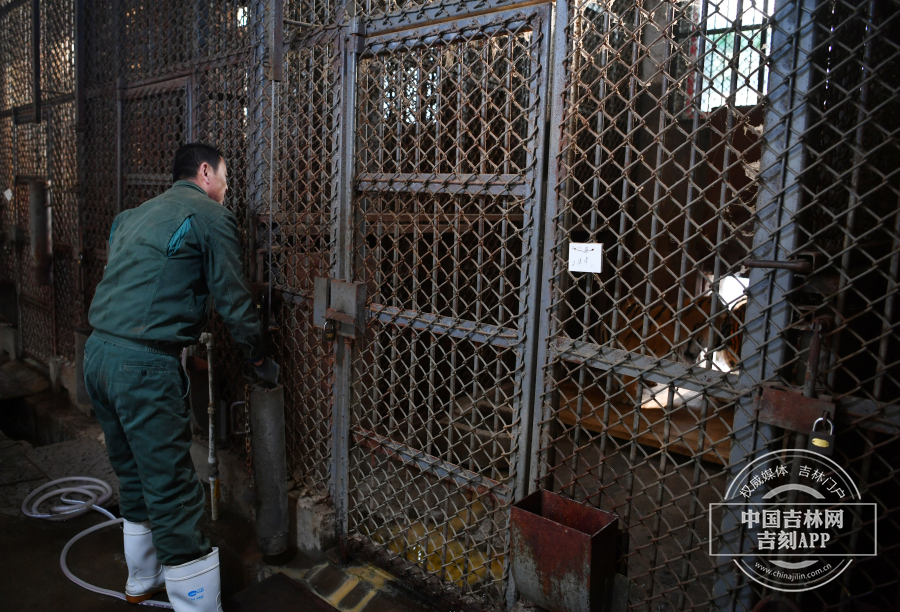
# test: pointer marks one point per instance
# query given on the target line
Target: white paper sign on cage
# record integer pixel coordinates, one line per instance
(585, 257)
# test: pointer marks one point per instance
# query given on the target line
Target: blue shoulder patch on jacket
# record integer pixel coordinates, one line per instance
(111, 230)
(177, 238)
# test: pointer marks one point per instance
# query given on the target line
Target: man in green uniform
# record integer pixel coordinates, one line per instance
(167, 258)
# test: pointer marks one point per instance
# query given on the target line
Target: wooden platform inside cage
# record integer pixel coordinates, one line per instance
(684, 421)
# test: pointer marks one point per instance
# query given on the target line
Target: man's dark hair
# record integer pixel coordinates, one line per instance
(189, 157)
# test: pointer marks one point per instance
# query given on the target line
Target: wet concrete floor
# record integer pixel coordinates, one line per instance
(30, 573)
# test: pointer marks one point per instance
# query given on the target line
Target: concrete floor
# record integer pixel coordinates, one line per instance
(60, 441)
(30, 575)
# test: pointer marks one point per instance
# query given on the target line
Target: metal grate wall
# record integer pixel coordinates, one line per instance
(39, 143)
(848, 218)
(696, 137)
(446, 155)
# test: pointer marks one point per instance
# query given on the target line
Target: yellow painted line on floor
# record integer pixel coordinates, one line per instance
(374, 576)
(362, 602)
(335, 598)
(370, 575)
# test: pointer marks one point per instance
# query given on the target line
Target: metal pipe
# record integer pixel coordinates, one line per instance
(212, 459)
(270, 468)
(276, 52)
(801, 266)
(299, 24)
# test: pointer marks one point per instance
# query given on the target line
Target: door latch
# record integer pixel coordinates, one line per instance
(339, 308)
(791, 409)
(800, 265)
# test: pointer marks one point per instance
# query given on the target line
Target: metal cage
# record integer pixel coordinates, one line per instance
(735, 160)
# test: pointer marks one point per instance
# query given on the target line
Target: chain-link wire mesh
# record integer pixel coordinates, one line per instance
(36, 323)
(303, 242)
(33, 148)
(57, 48)
(101, 41)
(849, 226)
(692, 137)
(670, 111)
(199, 72)
(99, 186)
(36, 316)
(220, 111)
(154, 125)
(17, 60)
(443, 211)
(63, 177)
(155, 38)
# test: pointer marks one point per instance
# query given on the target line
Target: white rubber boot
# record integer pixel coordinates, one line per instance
(145, 574)
(195, 586)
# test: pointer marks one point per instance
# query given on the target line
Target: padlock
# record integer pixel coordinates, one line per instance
(819, 441)
(328, 331)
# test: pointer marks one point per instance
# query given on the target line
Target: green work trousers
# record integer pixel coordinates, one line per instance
(139, 396)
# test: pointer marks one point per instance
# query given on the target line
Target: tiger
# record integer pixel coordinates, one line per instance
(694, 336)
(732, 334)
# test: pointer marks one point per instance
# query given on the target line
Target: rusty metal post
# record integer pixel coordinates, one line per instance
(543, 452)
(344, 351)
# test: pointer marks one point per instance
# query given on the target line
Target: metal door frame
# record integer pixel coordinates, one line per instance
(784, 158)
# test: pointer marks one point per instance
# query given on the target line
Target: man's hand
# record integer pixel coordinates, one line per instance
(267, 371)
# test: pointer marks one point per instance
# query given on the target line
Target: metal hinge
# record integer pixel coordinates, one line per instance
(357, 36)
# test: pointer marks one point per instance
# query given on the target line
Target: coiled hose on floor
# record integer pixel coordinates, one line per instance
(97, 493)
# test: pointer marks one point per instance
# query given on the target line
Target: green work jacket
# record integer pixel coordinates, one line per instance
(166, 258)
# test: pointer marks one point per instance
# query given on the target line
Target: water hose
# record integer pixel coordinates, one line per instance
(97, 493)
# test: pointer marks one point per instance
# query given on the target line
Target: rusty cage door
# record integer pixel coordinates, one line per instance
(444, 212)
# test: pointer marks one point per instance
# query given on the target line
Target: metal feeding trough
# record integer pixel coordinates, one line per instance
(563, 553)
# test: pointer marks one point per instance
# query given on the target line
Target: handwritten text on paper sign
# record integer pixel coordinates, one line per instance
(585, 257)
